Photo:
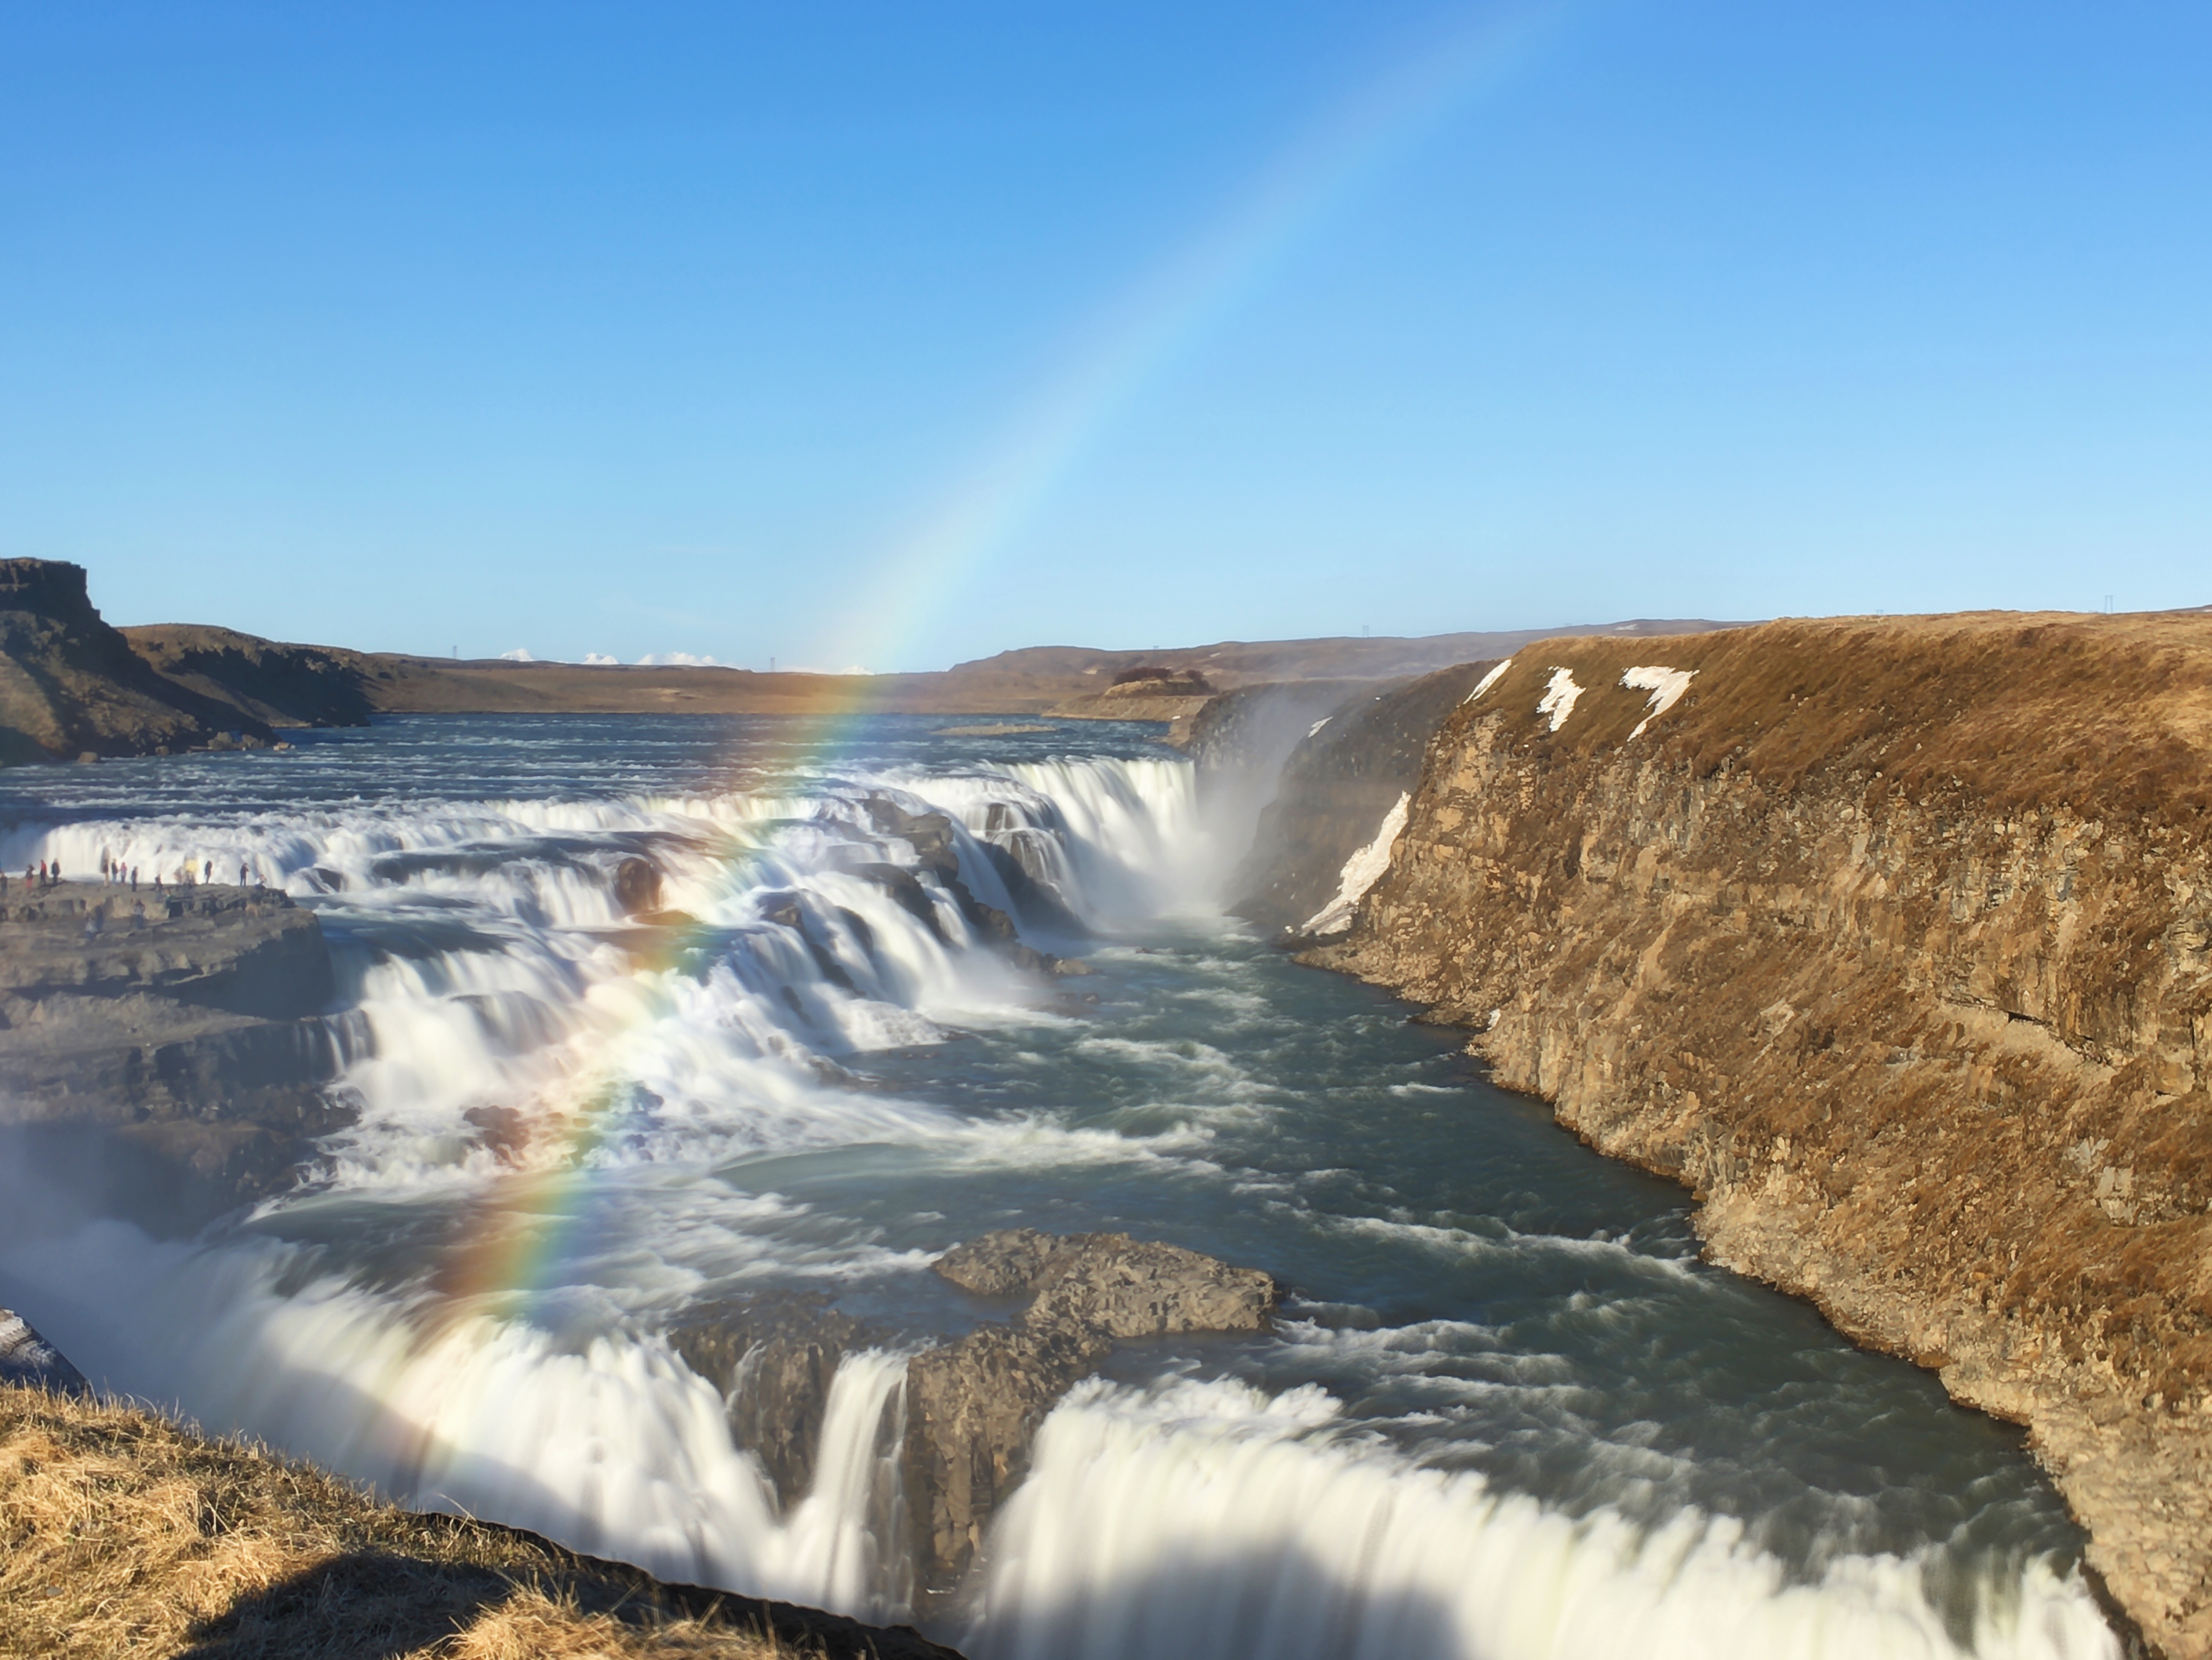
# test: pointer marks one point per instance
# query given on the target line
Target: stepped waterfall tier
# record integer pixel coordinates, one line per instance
(668, 1060)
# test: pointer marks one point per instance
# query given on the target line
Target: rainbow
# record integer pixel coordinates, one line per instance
(510, 1249)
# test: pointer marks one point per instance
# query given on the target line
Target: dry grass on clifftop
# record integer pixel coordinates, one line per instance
(2110, 716)
(122, 1534)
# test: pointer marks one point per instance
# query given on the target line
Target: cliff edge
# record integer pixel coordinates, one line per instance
(71, 685)
(1893, 939)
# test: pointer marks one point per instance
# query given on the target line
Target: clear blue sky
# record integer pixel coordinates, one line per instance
(897, 334)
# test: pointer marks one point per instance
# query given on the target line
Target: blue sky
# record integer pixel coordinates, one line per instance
(888, 334)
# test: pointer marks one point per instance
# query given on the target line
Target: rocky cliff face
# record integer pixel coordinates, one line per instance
(1893, 940)
(71, 685)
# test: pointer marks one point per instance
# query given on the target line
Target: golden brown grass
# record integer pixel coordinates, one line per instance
(122, 1534)
(2110, 716)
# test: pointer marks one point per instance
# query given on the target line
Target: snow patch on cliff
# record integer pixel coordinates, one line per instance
(1558, 699)
(1666, 686)
(1361, 872)
(1487, 682)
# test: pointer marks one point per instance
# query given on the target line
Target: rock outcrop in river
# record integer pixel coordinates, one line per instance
(972, 1406)
(1893, 940)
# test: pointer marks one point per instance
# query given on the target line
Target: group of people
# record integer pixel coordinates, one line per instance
(48, 872)
(41, 876)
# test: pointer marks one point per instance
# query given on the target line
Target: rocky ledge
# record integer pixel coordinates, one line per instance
(1893, 940)
(28, 1361)
(972, 1406)
(162, 1055)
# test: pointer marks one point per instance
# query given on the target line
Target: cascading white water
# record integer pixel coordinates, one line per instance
(612, 1446)
(1210, 1519)
(474, 1321)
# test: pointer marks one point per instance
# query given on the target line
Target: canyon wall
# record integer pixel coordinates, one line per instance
(1891, 940)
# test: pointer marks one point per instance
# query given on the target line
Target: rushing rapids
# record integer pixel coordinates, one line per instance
(1506, 1411)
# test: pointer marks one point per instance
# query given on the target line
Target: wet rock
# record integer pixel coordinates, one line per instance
(906, 890)
(637, 886)
(936, 852)
(774, 1357)
(973, 1407)
(28, 1361)
(501, 1131)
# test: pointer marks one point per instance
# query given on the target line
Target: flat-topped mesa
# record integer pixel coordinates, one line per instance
(1888, 937)
(166, 1050)
(71, 686)
(973, 1407)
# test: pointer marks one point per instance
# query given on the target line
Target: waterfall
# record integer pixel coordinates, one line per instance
(1210, 1519)
(576, 1130)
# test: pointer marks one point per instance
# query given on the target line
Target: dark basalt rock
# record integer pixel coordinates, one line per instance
(936, 852)
(773, 1356)
(28, 1361)
(637, 886)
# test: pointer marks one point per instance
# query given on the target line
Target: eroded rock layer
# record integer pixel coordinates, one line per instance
(1894, 940)
(160, 1057)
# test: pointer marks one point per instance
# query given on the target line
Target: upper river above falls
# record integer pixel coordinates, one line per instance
(1506, 1411)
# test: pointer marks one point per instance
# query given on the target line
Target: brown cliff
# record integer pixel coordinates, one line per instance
(71, 686)
(1894, 940)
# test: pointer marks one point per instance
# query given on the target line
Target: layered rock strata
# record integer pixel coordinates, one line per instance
(1893, 941)
(162, 1056)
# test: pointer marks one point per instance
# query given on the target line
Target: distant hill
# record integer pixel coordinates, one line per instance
(71, 685)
